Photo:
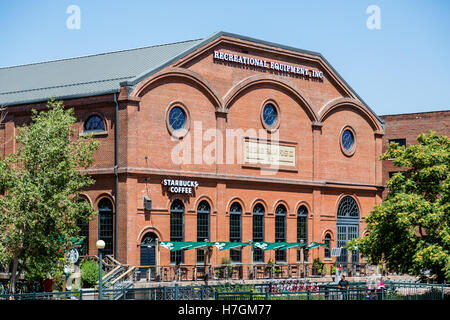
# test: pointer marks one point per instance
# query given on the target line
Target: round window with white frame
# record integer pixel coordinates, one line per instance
(177, 120)
(347, 141)
(270, 115)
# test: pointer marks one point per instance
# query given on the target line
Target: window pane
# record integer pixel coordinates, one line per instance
(280, 231)
(94, 123)
(258, 231)
(235, 230)
(203, 212)
(176, 229)
(106, 230)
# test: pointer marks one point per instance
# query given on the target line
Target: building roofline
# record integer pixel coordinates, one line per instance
(133, 81)
(413, 113)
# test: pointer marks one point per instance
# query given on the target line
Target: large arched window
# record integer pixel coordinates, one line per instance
(347, 227)
(177, 229)
(106, 224)
(94, 123)
(235, 230)
(258, 231)
(302, 229)
(203, 211)
(280, 231)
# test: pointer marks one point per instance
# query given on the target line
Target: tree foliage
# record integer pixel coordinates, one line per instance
(409, 230)
(41, 185)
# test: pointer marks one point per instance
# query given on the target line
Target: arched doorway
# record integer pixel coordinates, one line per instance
(347, 227)
(148, 254)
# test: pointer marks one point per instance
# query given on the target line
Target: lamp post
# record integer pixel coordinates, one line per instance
(100, 246)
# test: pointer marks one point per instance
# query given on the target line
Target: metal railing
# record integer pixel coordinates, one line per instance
(243, 271)
(265, 291)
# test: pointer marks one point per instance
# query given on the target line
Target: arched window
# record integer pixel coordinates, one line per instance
(280, 231)
(327, 247)
(106, 226)
(177, 229)
(347, 227)
(302, 229)
(348, 208)
(235, 230)
(258, 231)
(94, 123)
(203, 211)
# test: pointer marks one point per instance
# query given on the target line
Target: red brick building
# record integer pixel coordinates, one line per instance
(230, 138)
(404, 129)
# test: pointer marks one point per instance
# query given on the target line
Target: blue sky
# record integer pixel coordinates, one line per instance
(403, 67)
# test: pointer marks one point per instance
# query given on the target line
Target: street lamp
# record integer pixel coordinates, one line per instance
(100, 246)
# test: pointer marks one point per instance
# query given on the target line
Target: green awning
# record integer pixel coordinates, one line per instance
(269, 245)
(175, 245)
(221, 245)
(278, 245)
(293, 245)
(315, 245)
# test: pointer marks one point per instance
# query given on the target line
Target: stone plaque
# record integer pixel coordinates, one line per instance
(265, 153)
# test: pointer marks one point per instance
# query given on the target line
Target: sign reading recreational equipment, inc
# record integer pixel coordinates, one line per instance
(180, 186)
(272, 65)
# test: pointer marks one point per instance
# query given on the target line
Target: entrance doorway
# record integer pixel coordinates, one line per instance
(148, 255)
(347, 228)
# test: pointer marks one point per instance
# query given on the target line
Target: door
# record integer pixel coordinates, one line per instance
(148, 255)
(346, 233)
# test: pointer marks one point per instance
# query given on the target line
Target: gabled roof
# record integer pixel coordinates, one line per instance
(105, 73)
(83, 76)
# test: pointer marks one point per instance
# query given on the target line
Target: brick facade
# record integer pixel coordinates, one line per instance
(409, 126)
(222, 96)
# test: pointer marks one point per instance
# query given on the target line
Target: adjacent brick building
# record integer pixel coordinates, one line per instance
(404, 129)
(230, 138)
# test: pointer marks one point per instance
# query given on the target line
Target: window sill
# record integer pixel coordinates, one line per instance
(94, 133)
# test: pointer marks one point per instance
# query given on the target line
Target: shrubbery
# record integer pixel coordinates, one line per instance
(89, 273)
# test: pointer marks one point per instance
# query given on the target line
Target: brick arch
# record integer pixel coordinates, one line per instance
(283, 202)
(235, 199)
(261, 201)
(338, 201)
(303, 203)
(146, 230)
(183, 75)
(85, 197)
(109, 197)
(343, 103)
(258, 80)
(200, 199)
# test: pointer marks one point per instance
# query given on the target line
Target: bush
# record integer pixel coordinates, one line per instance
(89, 273)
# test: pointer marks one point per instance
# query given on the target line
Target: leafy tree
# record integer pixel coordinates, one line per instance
(409, 230)
(40, 184)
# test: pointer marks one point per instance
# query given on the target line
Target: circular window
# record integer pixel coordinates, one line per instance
(348, 141)
(177, 118)
(270, 116)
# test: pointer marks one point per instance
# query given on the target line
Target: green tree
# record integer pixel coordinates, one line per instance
(409, 230)
(40, 184)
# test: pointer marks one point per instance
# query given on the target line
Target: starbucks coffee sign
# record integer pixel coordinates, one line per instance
(180, 186)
